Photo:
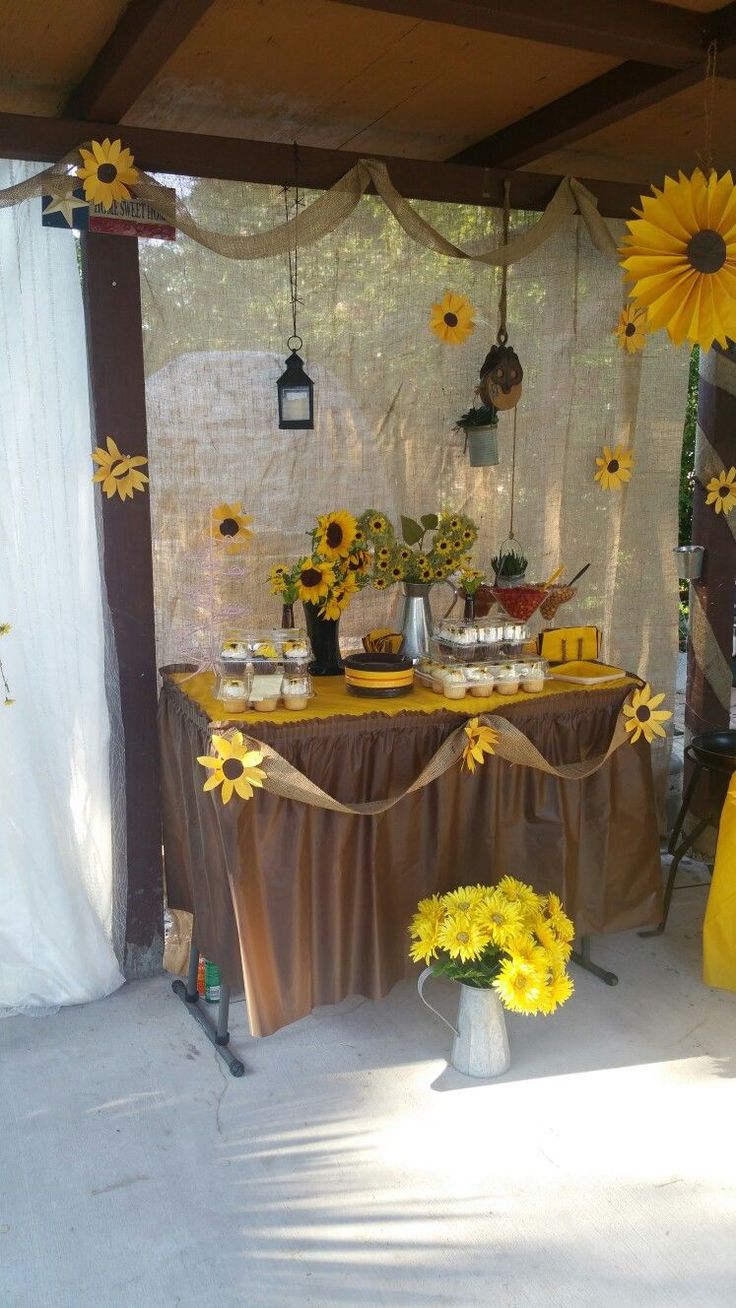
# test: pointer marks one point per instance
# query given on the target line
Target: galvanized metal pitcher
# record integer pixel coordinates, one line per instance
(416, 619)
(481, 1044)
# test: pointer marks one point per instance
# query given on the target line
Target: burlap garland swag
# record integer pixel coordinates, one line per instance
(332, 208)
(283, 779)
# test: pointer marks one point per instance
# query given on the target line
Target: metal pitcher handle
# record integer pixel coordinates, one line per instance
(428, 972)
(455, 597)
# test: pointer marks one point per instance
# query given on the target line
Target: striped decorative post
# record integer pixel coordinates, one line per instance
(710, 634)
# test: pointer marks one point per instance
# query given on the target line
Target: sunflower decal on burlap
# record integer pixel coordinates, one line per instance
(229, 527)
(680, 255)
(336, 534)
(721, 491)
(452, 320)
(120, 474)
(614, 468)
(645, 716)
(632, 328)
(234, 766)
(107, 172)
(481, 740)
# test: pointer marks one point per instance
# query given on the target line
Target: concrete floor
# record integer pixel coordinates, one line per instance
(350, 1166)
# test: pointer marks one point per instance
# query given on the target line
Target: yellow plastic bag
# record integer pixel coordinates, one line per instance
(562, 644)
(719, 927)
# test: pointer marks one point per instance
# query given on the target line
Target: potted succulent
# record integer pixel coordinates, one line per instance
(479, 425)
(509, 566)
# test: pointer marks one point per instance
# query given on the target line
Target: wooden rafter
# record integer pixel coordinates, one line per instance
(606, 99)
(194, 155)
(147, 34)
(628, 29)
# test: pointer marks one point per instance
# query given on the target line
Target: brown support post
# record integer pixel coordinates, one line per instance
(710, 635)
(115, 352)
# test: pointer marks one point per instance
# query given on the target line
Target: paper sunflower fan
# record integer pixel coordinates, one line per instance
(680, 255)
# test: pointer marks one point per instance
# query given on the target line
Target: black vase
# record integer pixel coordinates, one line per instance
(323, 637)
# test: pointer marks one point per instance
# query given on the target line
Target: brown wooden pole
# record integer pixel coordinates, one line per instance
(117, 386)
(710, 635)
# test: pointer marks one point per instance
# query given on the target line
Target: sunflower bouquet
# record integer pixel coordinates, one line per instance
(337, 566)
(428, 550)
(505, 937)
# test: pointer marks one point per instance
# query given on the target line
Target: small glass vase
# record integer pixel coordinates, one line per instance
(324, 638)
(287, 617)
(469, 609)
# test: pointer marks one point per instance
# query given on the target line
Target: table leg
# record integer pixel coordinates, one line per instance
(582, 958)
(218, 1035)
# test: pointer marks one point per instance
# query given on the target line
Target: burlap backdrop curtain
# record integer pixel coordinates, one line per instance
(387, 393)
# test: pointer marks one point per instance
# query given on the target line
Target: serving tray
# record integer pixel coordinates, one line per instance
(586, 673)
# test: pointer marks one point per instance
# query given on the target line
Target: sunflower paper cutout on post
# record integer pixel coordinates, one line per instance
(107, 172)
(120, 474)
(230, 527)
(632, 329)
(452, 320)
(234, 766)
(644, 715)
(680, 255)
(5, 630)
(614, 468)
(481, 741)
(722, 491)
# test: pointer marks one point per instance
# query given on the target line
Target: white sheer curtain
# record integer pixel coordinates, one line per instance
(56, 867)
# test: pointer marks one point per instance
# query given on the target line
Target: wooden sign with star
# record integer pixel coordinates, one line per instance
(130, 217)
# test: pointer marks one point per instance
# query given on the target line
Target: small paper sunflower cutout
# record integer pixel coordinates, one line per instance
(120, 474)
(452, 320)
(645, 716)
(230, 527)
(481, 741)
(614, 468)
(234, 767)
(722, 491)
(680, 255)
(632, 328)
(336, 534)
(107, 171)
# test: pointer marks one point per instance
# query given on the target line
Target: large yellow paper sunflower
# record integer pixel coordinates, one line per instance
(107, 172)
(614, 468)
(631, 329)
(234, 767)
(335, 534)
(481, 741)
(681, 257)
(644, 716)
(120, 474)
(452, 320)
(229, 527)
(314, 580)
(722, 491)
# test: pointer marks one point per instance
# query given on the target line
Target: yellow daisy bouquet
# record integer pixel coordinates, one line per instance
(428, 550)
(337, 566)
(505, 937)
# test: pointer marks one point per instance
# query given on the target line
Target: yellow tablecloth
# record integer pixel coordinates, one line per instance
(719, 927)
(333, 699)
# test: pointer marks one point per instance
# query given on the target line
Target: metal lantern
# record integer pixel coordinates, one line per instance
(295, 392)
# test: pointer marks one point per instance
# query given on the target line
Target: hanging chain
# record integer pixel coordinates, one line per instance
(294, 256)
(513, 478)
(502, 335)
(709, 100)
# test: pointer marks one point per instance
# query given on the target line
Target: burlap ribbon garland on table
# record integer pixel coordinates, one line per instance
(512, 745)
(332, 208)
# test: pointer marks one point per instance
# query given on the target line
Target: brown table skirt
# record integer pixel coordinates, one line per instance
(308, 906)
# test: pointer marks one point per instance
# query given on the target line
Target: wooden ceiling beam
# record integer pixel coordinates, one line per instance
(607, 99)
(147, 34)
(628, 29)
(190, 154)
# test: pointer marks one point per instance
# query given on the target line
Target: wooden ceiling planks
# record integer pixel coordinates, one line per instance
(45, 51)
